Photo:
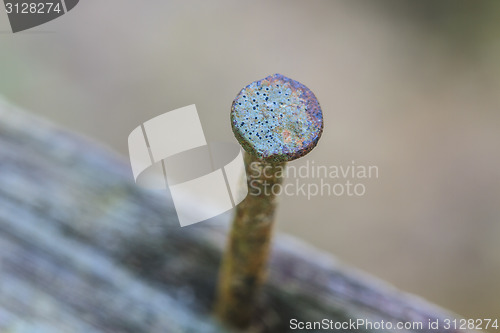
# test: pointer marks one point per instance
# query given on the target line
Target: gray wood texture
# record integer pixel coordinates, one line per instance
(83, 249)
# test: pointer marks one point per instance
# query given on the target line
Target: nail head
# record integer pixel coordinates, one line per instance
(277, 119)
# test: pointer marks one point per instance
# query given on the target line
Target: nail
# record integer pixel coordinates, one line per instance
(275, 120)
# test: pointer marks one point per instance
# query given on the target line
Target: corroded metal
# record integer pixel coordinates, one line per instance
(277, 119)
(244, 266)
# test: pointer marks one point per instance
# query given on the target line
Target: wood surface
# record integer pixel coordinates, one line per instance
(83, 249)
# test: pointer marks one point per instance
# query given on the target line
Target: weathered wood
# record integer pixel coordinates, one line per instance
(82, 249)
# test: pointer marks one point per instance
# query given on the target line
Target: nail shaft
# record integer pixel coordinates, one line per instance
(245, 261)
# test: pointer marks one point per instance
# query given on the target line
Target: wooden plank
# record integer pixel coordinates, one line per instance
(82, 249)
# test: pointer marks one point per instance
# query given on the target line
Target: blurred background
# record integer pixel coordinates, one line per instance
(412, 87)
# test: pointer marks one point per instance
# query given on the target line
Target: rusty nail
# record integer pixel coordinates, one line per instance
(275, 120)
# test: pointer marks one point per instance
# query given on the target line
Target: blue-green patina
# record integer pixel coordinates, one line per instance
(277, 119)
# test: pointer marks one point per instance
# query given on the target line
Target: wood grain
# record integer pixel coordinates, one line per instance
(82, 249)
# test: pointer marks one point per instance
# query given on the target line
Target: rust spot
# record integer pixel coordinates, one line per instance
(287, 136)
